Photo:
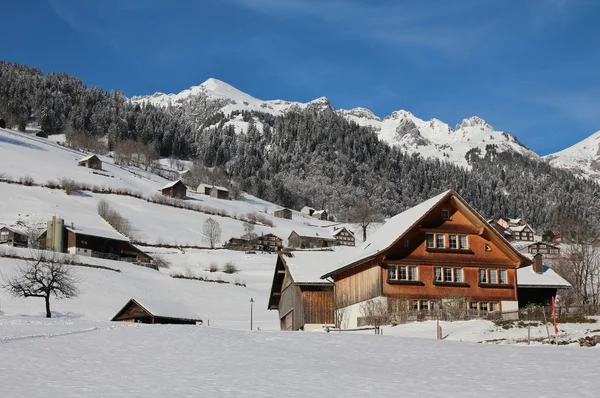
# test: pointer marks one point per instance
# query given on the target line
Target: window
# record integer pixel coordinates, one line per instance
(440, 240)
(473, 306)
(502, 276)
(483, 306)
(458, 275)
(391, 272)
(402, 273)
(488, 248)
(463, 242)
(493, 306)
(448, 274)
(430, 241)
(415, 305)
(424, 305)
(405, 243)
(452, 243)
(413, 273)
(445, 214)
(493, 276)
(482, 275)
(437, 271)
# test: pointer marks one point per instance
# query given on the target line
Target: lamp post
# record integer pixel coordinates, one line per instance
(251, 305)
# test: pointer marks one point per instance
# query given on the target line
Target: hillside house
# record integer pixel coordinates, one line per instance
(2, 123)
(175, 189)
(320, 214)
(538, 283)
(283, 213)
(156, 312)
(213, 191)
(41, 134)
(13, 237)
(543, 248)
(91, 162)
(343, 236)
(522, 233)
(238, 244)
(307, 211)
(431, 255)
(304, 300)
(267, 243)
(310, 240)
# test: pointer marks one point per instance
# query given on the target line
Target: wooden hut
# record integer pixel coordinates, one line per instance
(13, 237)
(175, 189)
(90, 161)
(2, 123)
(283, 213)
(41, 134)
(156, 312)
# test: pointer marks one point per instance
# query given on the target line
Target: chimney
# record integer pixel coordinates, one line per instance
(538, 265)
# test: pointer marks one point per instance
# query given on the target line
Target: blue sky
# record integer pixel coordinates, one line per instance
(529, 67)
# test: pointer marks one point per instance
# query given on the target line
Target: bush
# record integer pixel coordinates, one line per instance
(52, 184)
(577, 319)
(213, 268)
(69, 186)
(27, 180)
(115, 219)
(161, 262)
(230, 268)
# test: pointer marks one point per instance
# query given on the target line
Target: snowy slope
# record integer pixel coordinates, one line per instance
(433, 138)
(582, 158)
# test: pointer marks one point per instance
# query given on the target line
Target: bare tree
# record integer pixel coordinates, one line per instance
(249, 231)
(45, 276)
(375, 312)
(341, 301)
(212, 232)
(364, 213)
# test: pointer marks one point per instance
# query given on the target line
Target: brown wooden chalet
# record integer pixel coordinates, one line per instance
(91, 162)
(13, 237)
(310, 240)
(41, 134)
(283, 213)
(156, 312)
(543, 248)
(435, 253)
(304, 300)
(267, 243)
(175, 189)
(343, 236)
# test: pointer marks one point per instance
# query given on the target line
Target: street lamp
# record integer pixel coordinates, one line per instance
(251, 305)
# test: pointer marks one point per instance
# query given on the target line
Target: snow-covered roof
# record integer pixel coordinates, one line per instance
(337, 231)
(14, 230)
(308, 266)
(221, 188)
(520, 228)
(527, 277)
(202, 186)
(515, 220)
(395, 227)
(309, 233)
(171, 184)
(318, 212)
(307, 208)
(101, 233)
(167, 309)
(85, 159)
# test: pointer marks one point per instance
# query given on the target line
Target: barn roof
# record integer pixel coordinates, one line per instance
(101, 233)
(319, 212)
(306, 267)
(14, 230)
(520, 228)
(85, 159)
(527, 277)
(171, 184)
(309, 233)
(336, 232)
(162, 309)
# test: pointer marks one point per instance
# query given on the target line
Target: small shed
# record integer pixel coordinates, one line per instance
(283, 213)
(307, 210)
(2, 123)
(219, 192)
(90, 161)
(13, 237)
(41, 134)
(175, 189)
(538, 283)
(204, 189)
(320, 214)
(156, 312)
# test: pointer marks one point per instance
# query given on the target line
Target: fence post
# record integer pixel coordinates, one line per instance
(554, 316)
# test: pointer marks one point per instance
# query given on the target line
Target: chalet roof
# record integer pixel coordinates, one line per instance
(306, 267)
(309, 233)
(283, 209)
(400, 224)
(163, 309)
(527, 277)
(307, 208)
(85, 159)
(100, 233)
(520, 228)
(543, 243)
(13, 230)
(171, 184)
(201, 186)
(337, 231)
(319, 212)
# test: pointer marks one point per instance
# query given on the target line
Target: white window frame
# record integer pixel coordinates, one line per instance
(427, 236)
(443, 246)
(460, 245)
(456, 246)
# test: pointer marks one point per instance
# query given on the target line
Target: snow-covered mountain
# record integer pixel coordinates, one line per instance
(582, 158)
(430, 138)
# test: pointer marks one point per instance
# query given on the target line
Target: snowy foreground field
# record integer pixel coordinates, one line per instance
(72, 358)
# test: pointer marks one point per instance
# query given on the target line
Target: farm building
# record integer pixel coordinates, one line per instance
(320, 214)
(13, 237)
(543, 248)
(213, 191)
(538, 283)
(91, 162)
(310, 240)
(156, 312)
(307, 211)
(267, 243)
(304, 301)
(2, 123)
(343, 236)
(175, 189)
(41, 134)
(283, 213)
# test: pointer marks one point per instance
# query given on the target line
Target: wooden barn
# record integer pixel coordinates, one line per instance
(538, 283)
(267, 243)
(2, 123)
(219, 192)
(13, 237)
(431, 255)
(320, 214)
(156, 312)
(175, 189)
(91, 162)
(304, 301)
(307, 211)
(310, 240)
(41, 134)
(543, 248)
(343, 236)
(283, 213)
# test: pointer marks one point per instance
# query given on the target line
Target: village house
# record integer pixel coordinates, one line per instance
(307, 211)
(156, 312)
(310, 240)
(283, 213)
(430, 255)
(267, 243)
(543, 248)
(320, 214)
(90, 161)
(343, 236)
(238, 244)
(516, 229)
(13, 237)
(304, 300)
(175, 189)
(213, 191)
